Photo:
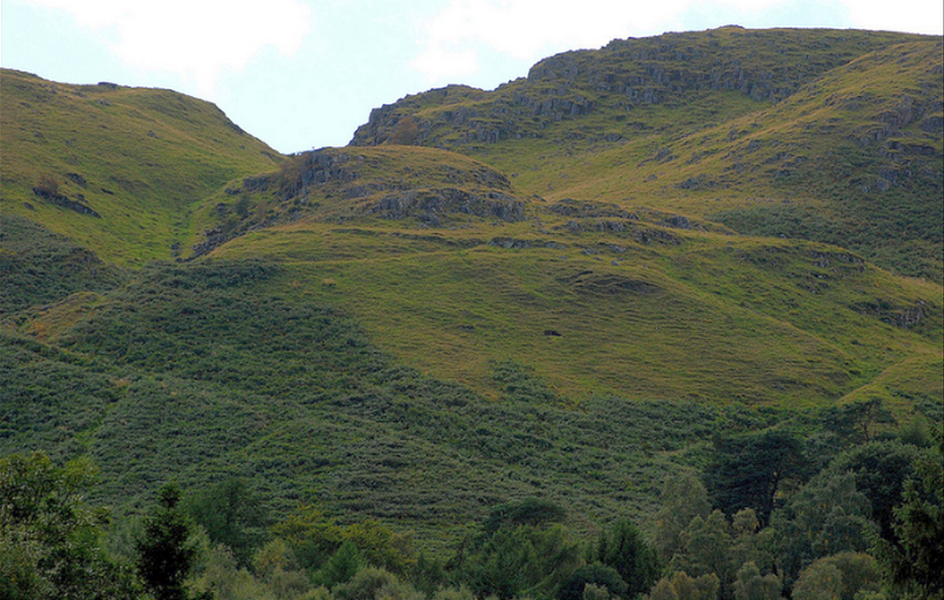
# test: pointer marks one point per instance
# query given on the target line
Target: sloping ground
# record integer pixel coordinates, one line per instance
(408, 333)
(626, 82)
(434, 188)
(117, 169)
(645, 312)
(821, 135)
(198, 372)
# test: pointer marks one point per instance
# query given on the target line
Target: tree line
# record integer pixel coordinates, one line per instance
(844, 512)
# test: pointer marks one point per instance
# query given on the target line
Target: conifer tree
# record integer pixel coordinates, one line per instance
(165, 556)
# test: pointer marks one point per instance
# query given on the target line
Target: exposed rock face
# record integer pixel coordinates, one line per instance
(569, 207)
(67, 203)
(430, 205)
(387, 183)
(764, 65)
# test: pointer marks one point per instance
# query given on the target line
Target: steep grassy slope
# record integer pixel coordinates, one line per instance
(199, 372)
(434, 188)
(117, 169)
(416, 334)
(823, 135)
(451, 269)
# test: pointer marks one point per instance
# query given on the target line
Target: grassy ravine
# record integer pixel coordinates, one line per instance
(140, 159)
(820, 135)
(417, 334)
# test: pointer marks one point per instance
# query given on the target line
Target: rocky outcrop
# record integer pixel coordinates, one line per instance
(62, 201)
(764, 65)
(431, 205)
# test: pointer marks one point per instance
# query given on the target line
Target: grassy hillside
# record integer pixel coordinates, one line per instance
(605, 265)
(199, 372)
(821, 135)
(116, 169)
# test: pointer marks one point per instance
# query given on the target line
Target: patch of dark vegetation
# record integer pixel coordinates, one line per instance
(48, 189)
(920, 256)
(39, 267)
(633, 230)
(605, 284)
(569, 207)
(431, 206)
(509, 243)
(903, 317)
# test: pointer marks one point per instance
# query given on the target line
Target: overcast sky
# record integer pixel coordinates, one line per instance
(302, 74)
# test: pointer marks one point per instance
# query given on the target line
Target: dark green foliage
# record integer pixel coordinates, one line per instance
(50, 540)
(39, 267)
(214, 381)
(49, 398)
(877, 237)
(232, 514)
(533, 512)
(520, 561)
(165, 555)
(914, 561)
(595, 574)
(747, 471)
(199, 322)
(855, 422)
(880, 470)
(624, 549)
(341, 566)
(828, 516)
(518, 383)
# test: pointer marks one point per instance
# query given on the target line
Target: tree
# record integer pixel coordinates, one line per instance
(604, 577)
(373, 584)
(914, 559)
(843, 576)
(707, 548)
(232, 514)
(164, 553)
(819, 581)
(856, 422)
(683, 498)
(341, 567)
(520, 561)
(880, 470)
(682, 587)
(50, 540)
(625, 550)
(748, 471)
(751, 585)
(829, 515)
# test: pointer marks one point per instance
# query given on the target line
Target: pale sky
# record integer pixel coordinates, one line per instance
(302, 74)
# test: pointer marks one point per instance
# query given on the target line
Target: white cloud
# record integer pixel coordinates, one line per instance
(196, 39)
(530, 29)
(915, 16)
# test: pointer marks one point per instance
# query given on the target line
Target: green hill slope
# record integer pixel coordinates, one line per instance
(416, 333)
(117, 169)
(823, 135)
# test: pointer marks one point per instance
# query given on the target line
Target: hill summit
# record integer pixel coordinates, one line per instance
(825, 135)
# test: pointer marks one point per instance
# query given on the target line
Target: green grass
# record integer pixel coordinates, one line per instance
(142, 159)
(714, 318)
(193, 373)
(742, 126)
(417, 334)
